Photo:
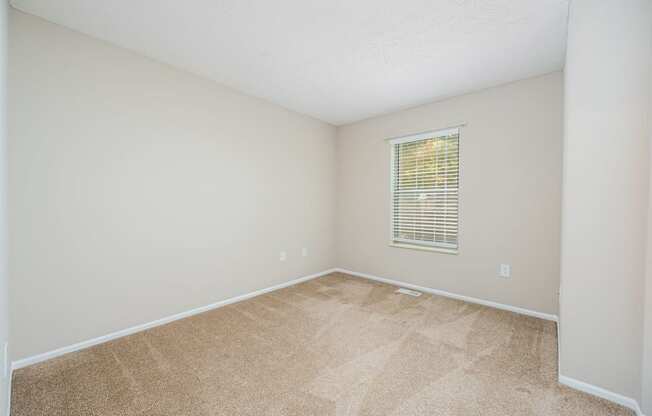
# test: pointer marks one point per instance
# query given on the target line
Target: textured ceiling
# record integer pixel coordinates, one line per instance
(337, 60)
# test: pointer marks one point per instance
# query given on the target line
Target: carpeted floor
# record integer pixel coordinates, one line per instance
(336, 345)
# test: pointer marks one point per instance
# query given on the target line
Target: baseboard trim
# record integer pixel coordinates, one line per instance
(567, 381)
(469, 299)
(602, 393)
(138, 328)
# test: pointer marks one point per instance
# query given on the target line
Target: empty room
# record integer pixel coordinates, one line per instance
(325, 208)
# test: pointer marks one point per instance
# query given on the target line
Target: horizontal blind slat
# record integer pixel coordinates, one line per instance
(425, 191)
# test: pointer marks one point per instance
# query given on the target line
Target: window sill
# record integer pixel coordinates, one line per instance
(425, 248)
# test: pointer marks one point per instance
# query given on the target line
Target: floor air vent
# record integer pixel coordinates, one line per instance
(409, 292)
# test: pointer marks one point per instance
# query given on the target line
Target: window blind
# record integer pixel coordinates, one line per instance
(425, 189)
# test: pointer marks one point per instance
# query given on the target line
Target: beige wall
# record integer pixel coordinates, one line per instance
(137, 191)
(4, 288)
(605, 197)
(509, 195)
(647, 328)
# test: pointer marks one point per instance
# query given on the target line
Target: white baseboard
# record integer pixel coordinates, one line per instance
(119, 334)
(567, 381)
(522, 311)
(602, 393)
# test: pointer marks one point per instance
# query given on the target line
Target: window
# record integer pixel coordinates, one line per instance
(425, 190)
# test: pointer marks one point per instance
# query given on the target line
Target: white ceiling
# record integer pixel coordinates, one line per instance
(337, 60)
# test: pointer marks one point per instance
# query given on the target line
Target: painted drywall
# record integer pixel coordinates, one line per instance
(646, 393)
(137, 191)
(4, 277)
(510, 189)
(605, 192)
(339, 61)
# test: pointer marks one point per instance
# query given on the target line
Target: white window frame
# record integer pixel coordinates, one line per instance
(424, 245)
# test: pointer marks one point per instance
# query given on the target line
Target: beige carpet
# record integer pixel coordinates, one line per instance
(337, 345)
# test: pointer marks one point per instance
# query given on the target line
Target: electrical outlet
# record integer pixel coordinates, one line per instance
(505, 270)
(283, 256)
(304, 252)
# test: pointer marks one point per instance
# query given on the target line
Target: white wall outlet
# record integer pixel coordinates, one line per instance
(283, 256)
(505, 270)
(304, 252)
